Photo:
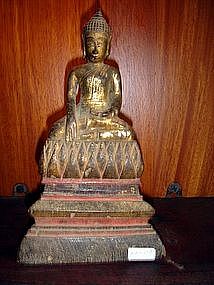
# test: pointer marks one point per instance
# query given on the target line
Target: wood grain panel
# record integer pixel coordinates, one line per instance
(165, 53)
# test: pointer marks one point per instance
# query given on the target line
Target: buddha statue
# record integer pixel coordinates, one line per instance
(91, 141)
(91, 209)
(96, 115)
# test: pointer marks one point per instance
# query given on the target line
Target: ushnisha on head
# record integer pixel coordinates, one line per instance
(96, 38)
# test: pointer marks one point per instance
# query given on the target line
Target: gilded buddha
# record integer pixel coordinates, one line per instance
(91, 141)
(96, 115)
(91, 209)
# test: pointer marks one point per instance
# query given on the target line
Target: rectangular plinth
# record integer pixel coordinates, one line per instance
(90, 208)
(55, 250)
(89, 223)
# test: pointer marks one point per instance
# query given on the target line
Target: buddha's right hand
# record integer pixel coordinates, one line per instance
(71, 129)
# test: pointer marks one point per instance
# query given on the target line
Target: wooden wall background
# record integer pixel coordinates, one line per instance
(165, 53)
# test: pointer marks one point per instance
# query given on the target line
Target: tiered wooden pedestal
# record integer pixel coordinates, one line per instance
(79, 221)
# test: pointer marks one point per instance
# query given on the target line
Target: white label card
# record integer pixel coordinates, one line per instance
(141, 254)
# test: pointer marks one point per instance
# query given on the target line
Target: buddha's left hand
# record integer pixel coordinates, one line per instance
(109, 113)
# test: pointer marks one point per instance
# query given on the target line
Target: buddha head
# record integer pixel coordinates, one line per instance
(96, 39)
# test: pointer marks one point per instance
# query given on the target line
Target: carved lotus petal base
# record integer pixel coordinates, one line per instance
(91, 159)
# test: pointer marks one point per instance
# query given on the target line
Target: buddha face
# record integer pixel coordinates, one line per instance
(96, 47)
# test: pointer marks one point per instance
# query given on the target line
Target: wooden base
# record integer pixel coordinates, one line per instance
(78, 227)
(84, 249)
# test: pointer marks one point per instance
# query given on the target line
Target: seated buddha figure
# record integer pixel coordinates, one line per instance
(95, 117)
(91, 141)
